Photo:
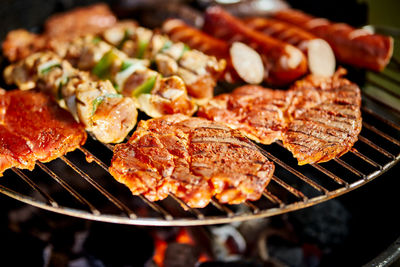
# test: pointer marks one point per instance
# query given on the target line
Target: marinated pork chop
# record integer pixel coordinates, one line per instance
(32, 127)
(318, 119)
(192, 158)
(324, 119)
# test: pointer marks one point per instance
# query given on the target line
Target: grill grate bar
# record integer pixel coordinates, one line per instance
(377, 100)
(274, 199)
(289, 188)
(330, 174)
(35, 187)
(296, 173)
(68, 188)
(185, 206)
(157, 208)
(95, 159)
(222, 208)
(365, 158)
(103, 191)
(253, 207)
(387, 77)
(379, 117)
(350, 168)
(384, 88)
(378, 132)
(376, 147)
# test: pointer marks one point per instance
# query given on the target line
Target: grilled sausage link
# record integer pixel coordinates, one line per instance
(321, 59)
(179, 31)
(352, 46)
(283, 62)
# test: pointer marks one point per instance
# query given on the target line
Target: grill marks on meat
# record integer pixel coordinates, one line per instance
(259, 113)
(32, 127)
(318, 119)
(194, 159)
(325, 129)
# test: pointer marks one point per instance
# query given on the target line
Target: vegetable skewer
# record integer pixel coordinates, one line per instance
(200, 72)
(96, 104)
(152, 93)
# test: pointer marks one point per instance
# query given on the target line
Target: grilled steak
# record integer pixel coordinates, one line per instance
(32, 127)
(258, 112)
(192, 158)
(324, 118)
(318, 119)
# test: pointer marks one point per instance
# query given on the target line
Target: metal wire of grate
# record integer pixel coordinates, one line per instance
(79, 184)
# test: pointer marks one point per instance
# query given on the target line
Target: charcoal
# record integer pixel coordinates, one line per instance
(181, 255)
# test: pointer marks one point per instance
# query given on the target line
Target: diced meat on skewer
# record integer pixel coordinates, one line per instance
(108, 115)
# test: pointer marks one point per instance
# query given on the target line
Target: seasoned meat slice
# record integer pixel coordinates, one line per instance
(318, 119)
(324, 119)
(14, 151)
(194, 159)
(34, 128)
(258, 112)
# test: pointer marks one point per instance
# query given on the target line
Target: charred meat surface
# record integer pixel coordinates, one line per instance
(33, 127)
(318, 119)
(193, 158)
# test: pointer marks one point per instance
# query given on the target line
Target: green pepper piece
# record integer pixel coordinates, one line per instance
(185, 48)
(59, 88)
(96, 40)
(98, 100)
(142, 46)
(102, 68)
(49, 68)
(166, 45)
(127, 36)
(146, 87)
(116, 86)
(125, 65)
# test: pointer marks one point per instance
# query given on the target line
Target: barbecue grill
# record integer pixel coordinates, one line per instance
(292, 187)
(78, 184)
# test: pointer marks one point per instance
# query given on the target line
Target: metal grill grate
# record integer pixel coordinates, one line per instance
(73, 186)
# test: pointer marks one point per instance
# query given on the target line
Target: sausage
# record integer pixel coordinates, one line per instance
(357, 47)
(283, 63)
(321, 59)
(179, 31)
(238, 57)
